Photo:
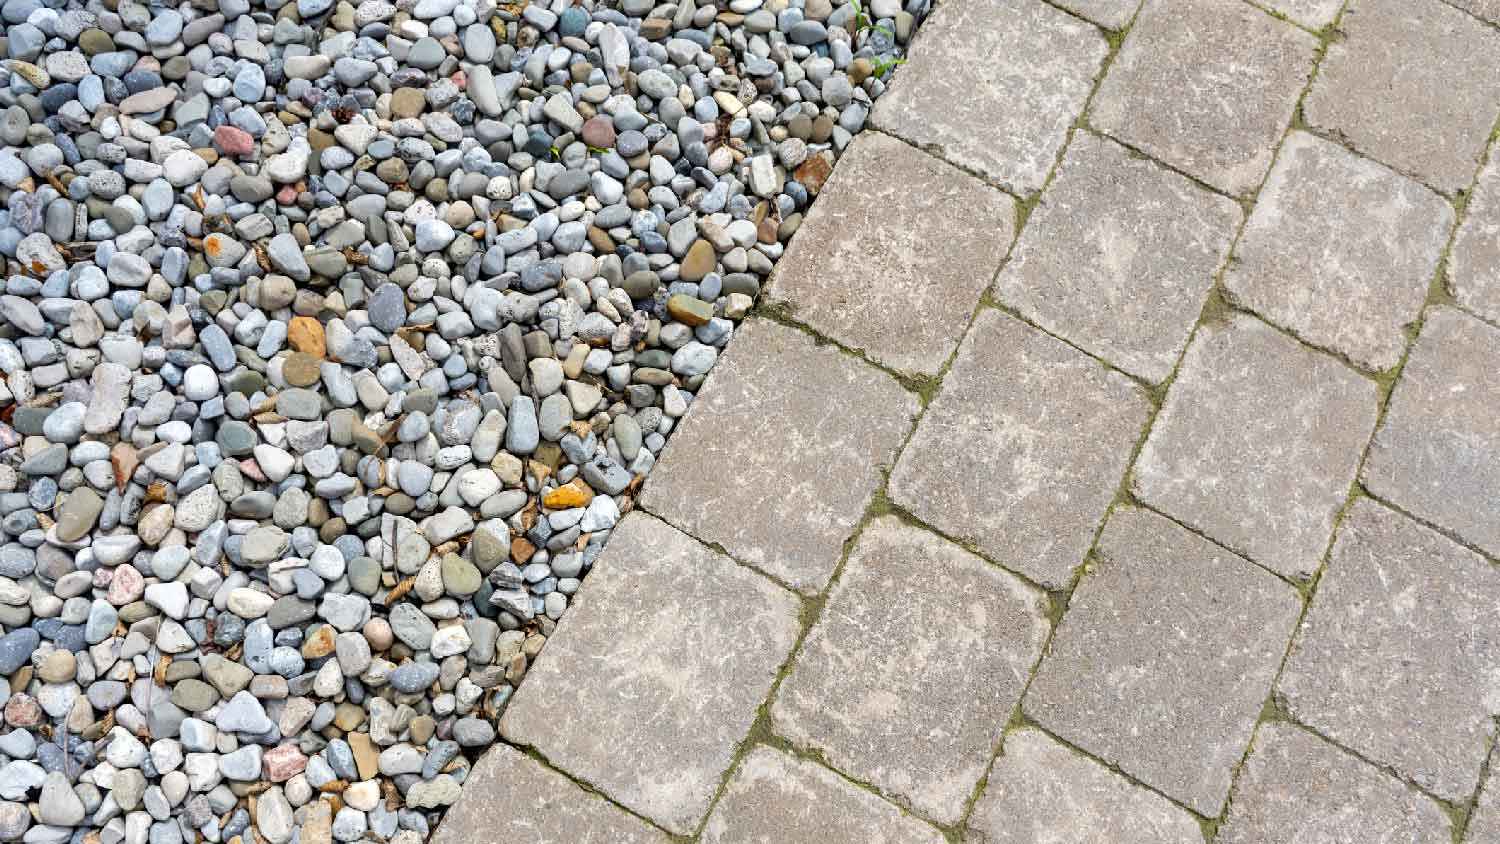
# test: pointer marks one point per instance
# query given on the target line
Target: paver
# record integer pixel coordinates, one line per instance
(1258, 443)
(775, 798)
(893, 271)
(995, 88)
(1022, 450)
(1111, 14)
(1207, 86)
(1040, 791)
(1313, 14)
(681, 646)
(1474, 261)
(1340, 250)
(1437, 455)
(1484, 823)
(1296, 787)
(798, 433)
(1165, 656)
(1119, 256)
(908, 688)
(1411, 84)
(1395, 659)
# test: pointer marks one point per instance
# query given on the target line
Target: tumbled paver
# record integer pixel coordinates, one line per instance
(1397, 656)
(1314, 14)
(508, 797)
(992, 86)
(1165, 657)
(1340, 250)
(1296, 788)
(781, 453)
(1119, 256)
(907, 678)
(1207, 86)
(1039, 791)
(1111, 14)
(1437, 456)
(889, 270)
(648, 686)
(1258, 443)
(775, 799)
(1474, 261)
(1022, 450)
(1412, 84)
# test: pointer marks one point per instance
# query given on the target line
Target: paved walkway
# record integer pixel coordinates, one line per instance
(1116, 458)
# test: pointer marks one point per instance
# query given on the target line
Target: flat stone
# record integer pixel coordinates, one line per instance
(1154, 668)
(1207, 86)
(1340, 251)
(666, 702)
(1257, 444)
(1022, 450)
(910, 694)
(844, 418)
(1474, 261)
(1118, 257)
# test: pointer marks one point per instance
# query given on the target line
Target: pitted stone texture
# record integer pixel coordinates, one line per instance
(681, 646)
(781, 453)
(1258, 443)
(890, 270)
(1397, 658)
(1111, 14)
(509, 797)
(1340, 250)
(1039, 791)
(1119, 256)
(1165, 657)
(1412, 84)
(1313, 14)
(1484, 824)
(1296, 787)
(992, 86)
(906, 688)
(1207, 86)
(1474, 261)
(1438, 454)
(1022, 450)
(775, 798)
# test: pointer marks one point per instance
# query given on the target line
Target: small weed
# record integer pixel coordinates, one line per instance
(883, 65)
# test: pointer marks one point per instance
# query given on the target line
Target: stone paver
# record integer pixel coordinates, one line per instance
(1314, 14)
(775, 799)
(1397, 658)
(1039, 791)
(996, 88)
(1340, 250)
(1474, 261)
(1119, 256)
(681, 646)
(1484, 824)
(1111, 14)
(1165, 657)
(1411, 84)
(1207, 86)
(1258, 443)
(1437, 456)
(796, 434)
(1297, 788)
(915, 663)
(1023, 448)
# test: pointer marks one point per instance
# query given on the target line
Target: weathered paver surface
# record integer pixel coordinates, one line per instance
(1474, 263)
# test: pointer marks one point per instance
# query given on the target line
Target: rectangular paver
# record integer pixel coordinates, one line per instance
(781, 453)
(656, 673)
(915, 663)
(1165, 657)
(1474, 261)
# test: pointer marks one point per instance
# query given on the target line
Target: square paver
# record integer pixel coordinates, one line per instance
(1111, 14)
(1041, 791)
(775, 799)
(1437, 456)
(1398, 658)
(657, 673)
(1207, 86)
(1257, 443)
(1165, 657)
(1340, 250)
(1474, 261)
(1119, 256)
(1313, 14)
(890, 270)
(781, 453)
(993, 85)
(913, 668)
(1411, 84)
(1022, 450)
(1298, 788)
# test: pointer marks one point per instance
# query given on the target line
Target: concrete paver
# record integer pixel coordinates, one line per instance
(1474, 262)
